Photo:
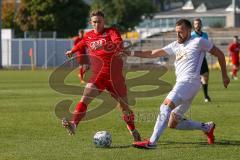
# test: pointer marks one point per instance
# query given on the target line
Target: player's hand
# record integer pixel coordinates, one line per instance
(68, 54)
(124, 53)
(226, 81)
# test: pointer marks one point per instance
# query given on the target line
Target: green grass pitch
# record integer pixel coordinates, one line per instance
(29, 129)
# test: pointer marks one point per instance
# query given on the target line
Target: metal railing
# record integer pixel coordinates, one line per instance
(49, 53)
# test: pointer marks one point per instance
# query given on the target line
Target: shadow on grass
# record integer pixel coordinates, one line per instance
(217, 142)
(183, 144)
(116, 146)
(228, 142)
(120, 146)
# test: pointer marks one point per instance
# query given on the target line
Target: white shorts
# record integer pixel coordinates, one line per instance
(182, 95)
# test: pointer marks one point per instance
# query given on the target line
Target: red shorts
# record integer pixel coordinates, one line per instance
(235, 59)
(116, 87)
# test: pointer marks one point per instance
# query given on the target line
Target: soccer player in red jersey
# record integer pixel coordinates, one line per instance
(78, 38)
(234, 49)
(82, 60)
(104, 46)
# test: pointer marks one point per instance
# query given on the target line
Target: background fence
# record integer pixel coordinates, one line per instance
(45, 52)
(49, 53)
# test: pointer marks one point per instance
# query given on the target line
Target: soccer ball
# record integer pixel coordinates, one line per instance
(102, 139)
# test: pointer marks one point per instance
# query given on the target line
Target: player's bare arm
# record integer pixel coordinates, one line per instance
(147, 54)
(79, 47)
(221, 59)
(72, 51)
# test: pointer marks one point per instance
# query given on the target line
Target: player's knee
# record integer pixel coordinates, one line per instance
(123, 104)
(172, 125)
(91, 91)
(206, 79)
(125, 108)
(173, 120)
(169, 103)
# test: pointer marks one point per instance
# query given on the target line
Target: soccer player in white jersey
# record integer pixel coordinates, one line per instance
(189, 53)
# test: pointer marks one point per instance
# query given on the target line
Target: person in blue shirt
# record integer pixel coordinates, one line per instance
(197, 24)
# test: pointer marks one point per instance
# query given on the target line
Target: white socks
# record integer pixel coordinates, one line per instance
(192, 125)
(161, 123)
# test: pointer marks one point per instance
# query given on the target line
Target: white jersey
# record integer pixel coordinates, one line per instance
(189, 57)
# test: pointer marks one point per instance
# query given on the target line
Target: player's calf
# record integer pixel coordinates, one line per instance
(79, 112)
(128, 117)
(136, 135)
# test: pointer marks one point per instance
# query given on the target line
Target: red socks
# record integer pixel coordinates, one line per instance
(79, 112)
(128, 117)
(81, 109)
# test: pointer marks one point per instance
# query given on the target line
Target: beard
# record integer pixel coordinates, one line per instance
(198, 29)
(180, 39)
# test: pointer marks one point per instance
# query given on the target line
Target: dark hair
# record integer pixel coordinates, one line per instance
(80, 30)
(186, 22)
(198, 19)
(96, 13)
(235, 37)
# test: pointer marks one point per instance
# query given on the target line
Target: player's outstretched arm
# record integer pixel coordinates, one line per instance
(68, 54)
(80, 47)
(221, 59)
(147, 54)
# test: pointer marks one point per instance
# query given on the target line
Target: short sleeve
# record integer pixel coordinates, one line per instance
(193, 34)
(169, 48)
(116, 39)
(205, 44)
(115, 35)
(205, 35)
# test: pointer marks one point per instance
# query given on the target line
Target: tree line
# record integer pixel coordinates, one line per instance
(66, 17)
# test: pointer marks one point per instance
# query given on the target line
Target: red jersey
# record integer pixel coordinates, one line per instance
(102, 48)
(234, 49)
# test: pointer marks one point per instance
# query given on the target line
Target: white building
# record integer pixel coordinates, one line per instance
(216, 14)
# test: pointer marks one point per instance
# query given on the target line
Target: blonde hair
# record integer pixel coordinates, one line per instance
(97, 13)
